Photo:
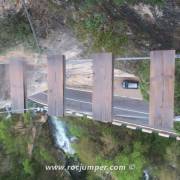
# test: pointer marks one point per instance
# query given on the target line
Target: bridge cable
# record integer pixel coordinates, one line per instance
(31, 25)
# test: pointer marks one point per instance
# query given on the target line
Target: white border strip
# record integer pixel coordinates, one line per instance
(145, 127)
(164, 135)
(79, 114)
(131, 127)
(147, 131)
(117, 124)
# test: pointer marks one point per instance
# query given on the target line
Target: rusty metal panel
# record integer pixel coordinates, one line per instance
(17, 84)
(56, 79)
(102, 87)
(162, 75)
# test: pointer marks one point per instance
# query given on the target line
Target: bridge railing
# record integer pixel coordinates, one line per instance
(162, 75)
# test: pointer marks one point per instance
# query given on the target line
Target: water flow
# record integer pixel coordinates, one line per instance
(60, 135)
(146, 175)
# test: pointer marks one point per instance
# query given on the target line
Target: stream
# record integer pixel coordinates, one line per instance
(62, 140)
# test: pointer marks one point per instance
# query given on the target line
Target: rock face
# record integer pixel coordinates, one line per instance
(151, 27)
(162, 24)
(11, 6)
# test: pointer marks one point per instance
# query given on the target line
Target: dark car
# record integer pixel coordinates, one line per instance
(130, 84)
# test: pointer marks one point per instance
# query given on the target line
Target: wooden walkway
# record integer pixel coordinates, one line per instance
(101, 105)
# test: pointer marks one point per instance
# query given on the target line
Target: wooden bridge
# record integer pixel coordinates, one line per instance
(101, 100)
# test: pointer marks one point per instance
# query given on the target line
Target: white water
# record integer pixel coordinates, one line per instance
(61, 137)
(146, 175)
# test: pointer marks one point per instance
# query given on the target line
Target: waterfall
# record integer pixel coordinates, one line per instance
(60, 134)
(146, 175)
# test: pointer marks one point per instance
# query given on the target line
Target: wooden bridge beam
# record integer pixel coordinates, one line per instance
(102, 96)
(17, 84)
(162, 74)
(56, 79)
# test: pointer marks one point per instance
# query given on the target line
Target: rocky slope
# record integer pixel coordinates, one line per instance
(78, 28)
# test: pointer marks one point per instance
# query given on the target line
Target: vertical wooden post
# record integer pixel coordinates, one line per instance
(56, 79)
(102, 96)
(162, 74)
(17, 85)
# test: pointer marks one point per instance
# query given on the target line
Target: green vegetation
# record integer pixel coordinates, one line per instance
(143, 72)
(96, 28)
(177, 127)
(24, 157)
(98, 25)
(26, 148)
(27, 118)
(126, 158)
(44, 155)
(14, 31)
(177, 88)
(27, 166)
(107, 145)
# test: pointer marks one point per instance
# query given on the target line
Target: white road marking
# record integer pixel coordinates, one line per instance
(123, 109)
(79, 89)
(128, 97)
(75, 100)
(89, 91)
(130, 110)
(127, 116)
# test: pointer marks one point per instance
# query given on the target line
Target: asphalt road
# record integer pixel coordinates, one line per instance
(131, 110)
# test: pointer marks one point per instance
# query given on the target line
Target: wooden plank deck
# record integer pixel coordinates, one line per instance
(17, 84)
(103, 87)
(56, 78)
(162, 75)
